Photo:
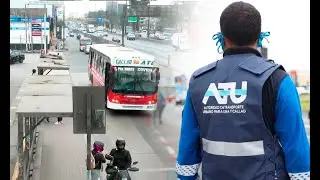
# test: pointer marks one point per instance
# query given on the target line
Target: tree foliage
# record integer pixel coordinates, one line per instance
(96, 14)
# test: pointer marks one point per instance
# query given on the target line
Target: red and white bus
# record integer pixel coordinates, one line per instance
(83, 42)
(130, 77)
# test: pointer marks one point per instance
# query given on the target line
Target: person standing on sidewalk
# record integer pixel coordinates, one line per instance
(242, 117)
(59, 121)
(161, 104)
(99, 158)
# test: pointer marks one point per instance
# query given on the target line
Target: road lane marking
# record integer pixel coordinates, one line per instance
(13, 107)
(163, 140)
(171, 151)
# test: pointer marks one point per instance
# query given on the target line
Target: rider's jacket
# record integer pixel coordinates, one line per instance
(122, 158)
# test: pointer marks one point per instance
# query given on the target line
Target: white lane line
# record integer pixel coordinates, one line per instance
(171, 151)
(13, 107)
(163, 140)
(21, 90)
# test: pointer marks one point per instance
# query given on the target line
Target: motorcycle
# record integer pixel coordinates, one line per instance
(120, 174)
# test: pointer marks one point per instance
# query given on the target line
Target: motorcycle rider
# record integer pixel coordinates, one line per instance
(120, 156)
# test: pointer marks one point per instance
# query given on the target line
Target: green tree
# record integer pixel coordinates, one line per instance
(96, 14)
(165, 21)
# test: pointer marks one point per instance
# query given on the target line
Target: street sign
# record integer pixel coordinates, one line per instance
(36, 27)
(99, 20)
(132, 19)
(97, 109)
(129, 29)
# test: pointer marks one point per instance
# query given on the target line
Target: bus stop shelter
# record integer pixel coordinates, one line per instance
(42, 97)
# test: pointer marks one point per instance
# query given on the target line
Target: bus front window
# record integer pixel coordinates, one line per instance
(85, 42)
(129, 80)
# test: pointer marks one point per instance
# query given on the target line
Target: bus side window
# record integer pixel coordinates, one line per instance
(99, 64)
(107, 69)
(102, 66)
(91, 57)
(95, 61)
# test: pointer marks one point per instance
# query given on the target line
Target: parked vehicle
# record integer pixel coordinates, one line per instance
(115, 39)
(131, 36)
(16, 56)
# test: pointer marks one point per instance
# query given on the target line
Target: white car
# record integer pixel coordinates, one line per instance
(131, 36)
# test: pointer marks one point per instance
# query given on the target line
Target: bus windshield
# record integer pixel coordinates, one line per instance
(85, 42)
(134, 80)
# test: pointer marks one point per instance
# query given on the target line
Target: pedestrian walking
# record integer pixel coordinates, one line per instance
(161, 104)
(242, 117)
(59, 120)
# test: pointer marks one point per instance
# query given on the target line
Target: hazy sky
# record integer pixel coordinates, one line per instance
(287, 20)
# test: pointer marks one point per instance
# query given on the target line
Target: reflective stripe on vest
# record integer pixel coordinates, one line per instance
(187, 170)
(220, 148)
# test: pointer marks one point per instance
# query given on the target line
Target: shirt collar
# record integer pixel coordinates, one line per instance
(241, 50)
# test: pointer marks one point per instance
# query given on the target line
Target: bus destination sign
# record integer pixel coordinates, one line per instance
(134, 62)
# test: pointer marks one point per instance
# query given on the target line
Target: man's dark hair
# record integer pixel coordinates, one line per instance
(240, 23)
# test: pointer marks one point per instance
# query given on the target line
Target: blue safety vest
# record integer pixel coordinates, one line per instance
(227, 99)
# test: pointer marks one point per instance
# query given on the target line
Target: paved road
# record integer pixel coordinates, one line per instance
(154, 151)
(18, 73)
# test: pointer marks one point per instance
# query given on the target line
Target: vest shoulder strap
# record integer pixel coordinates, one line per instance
(258, 65)
(204, 69)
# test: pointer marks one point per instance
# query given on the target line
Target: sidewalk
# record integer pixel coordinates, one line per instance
(63, 153)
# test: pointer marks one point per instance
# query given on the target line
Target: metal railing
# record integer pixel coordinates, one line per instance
(30, 146)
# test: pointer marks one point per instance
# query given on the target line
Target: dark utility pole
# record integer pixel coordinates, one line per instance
(124, 22)
(148, 30)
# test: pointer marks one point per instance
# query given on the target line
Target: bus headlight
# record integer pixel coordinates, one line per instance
(114, 101)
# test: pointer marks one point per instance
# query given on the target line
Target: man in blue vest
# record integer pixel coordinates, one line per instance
(242, 118)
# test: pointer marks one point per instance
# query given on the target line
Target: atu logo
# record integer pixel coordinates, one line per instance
(224, 90)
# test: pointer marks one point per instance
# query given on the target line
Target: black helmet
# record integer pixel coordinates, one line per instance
(120, 142)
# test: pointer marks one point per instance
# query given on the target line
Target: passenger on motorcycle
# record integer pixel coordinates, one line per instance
(120, 158)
